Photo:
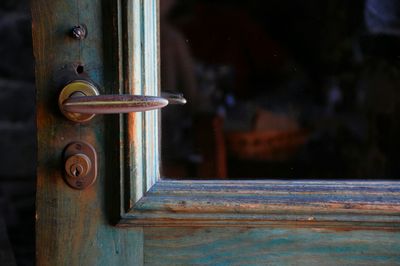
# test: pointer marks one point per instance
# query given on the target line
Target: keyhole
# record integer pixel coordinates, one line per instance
(76, 170)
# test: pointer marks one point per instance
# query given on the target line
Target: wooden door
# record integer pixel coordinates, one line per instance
(129, 216)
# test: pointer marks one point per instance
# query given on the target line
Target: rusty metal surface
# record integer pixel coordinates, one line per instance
(80, 167)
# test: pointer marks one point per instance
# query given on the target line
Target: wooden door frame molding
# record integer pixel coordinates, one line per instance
(147, 200)
(268, 203)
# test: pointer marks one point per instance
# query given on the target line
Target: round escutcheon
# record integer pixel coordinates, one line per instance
(77, 88)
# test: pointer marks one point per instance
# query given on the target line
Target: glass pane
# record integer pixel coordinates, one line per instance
(281, 88)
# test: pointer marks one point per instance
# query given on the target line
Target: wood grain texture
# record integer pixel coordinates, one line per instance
(241, 246)
(75, 227)
(141, 131)
(335, 204)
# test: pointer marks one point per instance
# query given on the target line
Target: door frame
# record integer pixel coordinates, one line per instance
(148, 200)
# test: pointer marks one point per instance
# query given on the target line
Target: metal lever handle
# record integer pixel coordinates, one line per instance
(112, 104)
(79, 101)
(174, 98)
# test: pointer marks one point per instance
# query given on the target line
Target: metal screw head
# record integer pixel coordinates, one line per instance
(79, 32)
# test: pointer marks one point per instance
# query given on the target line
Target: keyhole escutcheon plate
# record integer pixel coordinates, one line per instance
(80, 165)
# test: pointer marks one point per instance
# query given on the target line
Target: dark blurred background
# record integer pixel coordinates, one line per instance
(17, 134)
(281, 88)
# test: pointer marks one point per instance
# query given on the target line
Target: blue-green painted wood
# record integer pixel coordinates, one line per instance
(76, 227)
(345, 204)
(241, 246)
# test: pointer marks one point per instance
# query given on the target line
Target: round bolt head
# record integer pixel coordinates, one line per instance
(79, 32)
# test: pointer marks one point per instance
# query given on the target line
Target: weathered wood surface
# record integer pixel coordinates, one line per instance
(344, 204)
(241, 246)
(75, 227)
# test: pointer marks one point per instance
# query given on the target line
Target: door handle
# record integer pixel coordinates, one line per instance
(80, 101)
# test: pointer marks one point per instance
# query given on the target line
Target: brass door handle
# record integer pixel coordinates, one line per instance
(80, 101)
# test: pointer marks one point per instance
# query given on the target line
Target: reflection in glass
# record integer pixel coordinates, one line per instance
(281, 88)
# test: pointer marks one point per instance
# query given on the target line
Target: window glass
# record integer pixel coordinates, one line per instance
(281, 88)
